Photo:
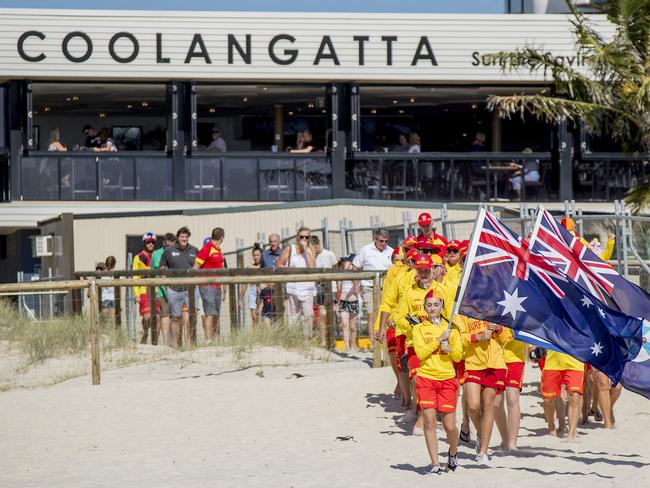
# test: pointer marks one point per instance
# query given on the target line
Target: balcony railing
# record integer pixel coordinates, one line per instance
(258, 176)
(608, 176)
(451, 176)
(96, 176)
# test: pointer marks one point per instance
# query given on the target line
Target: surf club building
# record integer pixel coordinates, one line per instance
(211, 107)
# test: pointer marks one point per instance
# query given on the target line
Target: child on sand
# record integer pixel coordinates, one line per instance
(437, 347)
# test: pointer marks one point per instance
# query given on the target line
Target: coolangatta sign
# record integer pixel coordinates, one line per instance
(55, 44)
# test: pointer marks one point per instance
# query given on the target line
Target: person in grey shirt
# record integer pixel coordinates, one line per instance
(217, 144)
(180, 255)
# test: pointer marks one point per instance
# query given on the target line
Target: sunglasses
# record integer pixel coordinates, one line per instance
(452, 251)
(428, 251)
(382, 240)
(303, 237)
(149, 241)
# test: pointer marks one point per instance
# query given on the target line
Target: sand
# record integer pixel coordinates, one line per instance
(206, 418)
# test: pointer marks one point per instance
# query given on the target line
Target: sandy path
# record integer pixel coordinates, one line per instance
(172, 424)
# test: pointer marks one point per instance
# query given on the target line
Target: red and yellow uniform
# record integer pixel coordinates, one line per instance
(396, 270)
(389, 302)
(436, 385)
(142, 261)
(514, 355)
(210, 257)
(484, 360)
(412, 303)
(561, 369)
(452, 276)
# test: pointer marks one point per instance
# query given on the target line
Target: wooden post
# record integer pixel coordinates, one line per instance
(93, 314)
(193, 316)
(153, 326)
(330, 327)
(376, 345)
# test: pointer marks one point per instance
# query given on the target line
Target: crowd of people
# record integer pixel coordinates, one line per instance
(437, 358)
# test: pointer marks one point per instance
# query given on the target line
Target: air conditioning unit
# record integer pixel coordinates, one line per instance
(42, 246)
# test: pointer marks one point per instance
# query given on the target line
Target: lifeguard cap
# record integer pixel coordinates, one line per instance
(409, 242)
(454, 245)
(412, 253)
(423, 261)
(433, 294)
(436, 259)
(424, 219)
(568, 223)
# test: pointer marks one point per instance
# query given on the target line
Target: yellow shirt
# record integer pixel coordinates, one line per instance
(452, 276)
(393, 295)
(138, 264)
(558, 361)
(609, 250)
(393, 273)
(412, 302)
(482, 354)
(436, 364)
(515, 352)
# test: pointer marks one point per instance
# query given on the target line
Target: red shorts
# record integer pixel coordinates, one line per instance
(145, 308)
(460, 371)
(438, 394)
(413, 362)
(390, 339)
(400, 343)
(515, 374)
(553, 380)
(490, 378)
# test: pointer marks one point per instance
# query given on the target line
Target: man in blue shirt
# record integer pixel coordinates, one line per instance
(271, 255)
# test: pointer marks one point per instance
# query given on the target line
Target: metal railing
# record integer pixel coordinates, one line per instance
(472, 176)
(608, 176)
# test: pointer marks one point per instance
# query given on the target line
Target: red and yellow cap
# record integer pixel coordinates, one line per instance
(436, 259)
(397, 252)
(423, 261)
(454, 245)
(568, 223)
(412, 253)
(425, 243)
(409, 242)
(424, 219)
(433, 294)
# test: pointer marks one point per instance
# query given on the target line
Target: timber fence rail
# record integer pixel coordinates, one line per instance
(94, 281)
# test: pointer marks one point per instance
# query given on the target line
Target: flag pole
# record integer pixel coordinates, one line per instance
(469, 262)
(538, 221)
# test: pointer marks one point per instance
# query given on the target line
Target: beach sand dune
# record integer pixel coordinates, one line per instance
(204, 419)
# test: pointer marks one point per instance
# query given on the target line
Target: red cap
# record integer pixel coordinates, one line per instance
(410, 241)
(433, 294)
(412, 253)
(436, 259)
(454, 245)
(396, 251)
(424, 219)
(423, 261)
(425, 243)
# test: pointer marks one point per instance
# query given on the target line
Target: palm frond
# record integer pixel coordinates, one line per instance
(638, 197)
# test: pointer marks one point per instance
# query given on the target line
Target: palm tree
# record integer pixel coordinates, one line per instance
(612, 95)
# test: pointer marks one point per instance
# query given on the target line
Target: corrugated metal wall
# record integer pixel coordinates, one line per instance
(99, 237)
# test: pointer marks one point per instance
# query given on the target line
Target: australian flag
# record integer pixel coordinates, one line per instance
(569, 254)
(509, 284)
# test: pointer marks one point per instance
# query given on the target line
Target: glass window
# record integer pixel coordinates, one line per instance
(115, 116)
(260, 117)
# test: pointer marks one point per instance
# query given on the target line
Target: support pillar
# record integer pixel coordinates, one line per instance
(278, 127)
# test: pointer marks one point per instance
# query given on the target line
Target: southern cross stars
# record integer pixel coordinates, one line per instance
(596, 349)
(512, 303)
(586, 301)
(601, 312)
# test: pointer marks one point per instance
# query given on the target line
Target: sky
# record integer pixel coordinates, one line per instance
(380, 6)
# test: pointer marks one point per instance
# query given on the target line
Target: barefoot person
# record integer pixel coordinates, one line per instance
(607, 397)
(561, 369)
(436, 387)
(485, 376)
(515, 357)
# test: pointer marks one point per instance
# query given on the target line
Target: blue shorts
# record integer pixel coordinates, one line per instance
(179, 301)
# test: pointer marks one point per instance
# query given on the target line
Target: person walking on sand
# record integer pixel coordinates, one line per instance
(299, 302)
(437, 347)
(514, 355)
(211, 257)
(347, 307)
(141, 261)
(485, 376)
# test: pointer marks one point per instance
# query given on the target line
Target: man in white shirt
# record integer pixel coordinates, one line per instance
(324, 259)
(217, 144)
(373, 256)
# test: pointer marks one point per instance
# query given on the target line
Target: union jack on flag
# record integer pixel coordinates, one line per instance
(498, 244)
(569, 254)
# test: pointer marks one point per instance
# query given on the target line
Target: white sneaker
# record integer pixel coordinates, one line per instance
(482, 459)
(435, 470)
